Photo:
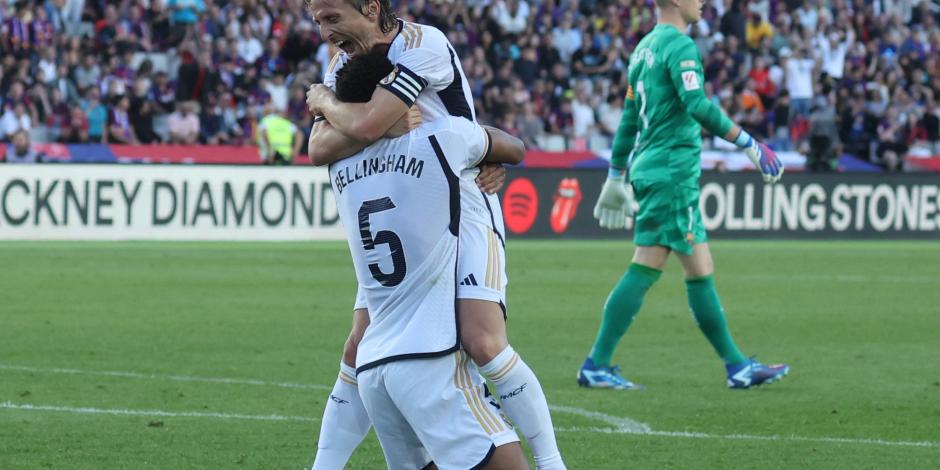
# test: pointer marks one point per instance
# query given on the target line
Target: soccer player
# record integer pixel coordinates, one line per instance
(399, 200)
(660, 134)
(428, 75)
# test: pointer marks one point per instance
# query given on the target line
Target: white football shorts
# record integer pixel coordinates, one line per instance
(433, 409)
(481, 264)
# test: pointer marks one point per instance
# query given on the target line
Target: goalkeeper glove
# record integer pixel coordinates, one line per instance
(761, 156)
(615, 204)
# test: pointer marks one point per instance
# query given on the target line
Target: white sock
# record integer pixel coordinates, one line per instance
(521, 397)
(345, 423)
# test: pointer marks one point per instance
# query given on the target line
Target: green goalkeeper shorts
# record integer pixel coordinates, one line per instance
(668, 216)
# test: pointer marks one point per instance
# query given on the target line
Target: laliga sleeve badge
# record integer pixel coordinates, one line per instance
(390, 77)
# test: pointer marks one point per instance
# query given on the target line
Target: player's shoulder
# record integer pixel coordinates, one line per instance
(418, 36)
(442, 127)
(675, 40)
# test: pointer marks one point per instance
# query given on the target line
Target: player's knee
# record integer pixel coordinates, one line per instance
(483, 346)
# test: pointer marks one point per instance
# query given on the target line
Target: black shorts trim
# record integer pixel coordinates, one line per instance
(486, 459)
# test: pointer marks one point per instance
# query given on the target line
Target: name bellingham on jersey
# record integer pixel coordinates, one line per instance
(375, 166)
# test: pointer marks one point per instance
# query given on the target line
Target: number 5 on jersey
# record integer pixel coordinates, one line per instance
(382, 237)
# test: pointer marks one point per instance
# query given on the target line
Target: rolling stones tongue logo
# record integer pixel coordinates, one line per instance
(567, 199)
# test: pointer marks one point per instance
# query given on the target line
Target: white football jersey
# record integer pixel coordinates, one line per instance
(429, 73)
(399, 200)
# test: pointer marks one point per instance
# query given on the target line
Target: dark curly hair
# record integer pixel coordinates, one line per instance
(356, 81)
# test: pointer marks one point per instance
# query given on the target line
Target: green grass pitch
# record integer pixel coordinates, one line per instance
(220, 355)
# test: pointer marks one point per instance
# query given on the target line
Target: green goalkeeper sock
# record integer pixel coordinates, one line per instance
(622, 306)
(710, 316)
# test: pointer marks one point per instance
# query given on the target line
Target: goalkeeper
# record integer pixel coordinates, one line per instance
(659, 138)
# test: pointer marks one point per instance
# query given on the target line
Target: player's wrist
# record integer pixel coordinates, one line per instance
(617, 174)
(744, 140)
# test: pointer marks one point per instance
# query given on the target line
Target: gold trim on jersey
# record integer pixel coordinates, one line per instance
(462, 380)
(348, 379)
(413, 35)
(333, 62)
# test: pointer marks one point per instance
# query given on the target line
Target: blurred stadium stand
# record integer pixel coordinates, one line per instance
(850, 84)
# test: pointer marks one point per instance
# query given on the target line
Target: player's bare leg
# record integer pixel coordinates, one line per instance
(483, 335)
(710, 317)
(345, 421)
(508, 457)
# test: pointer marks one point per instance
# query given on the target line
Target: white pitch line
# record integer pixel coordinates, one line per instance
(618, 425)
(177, 378)
(161, 413)
(749, 437)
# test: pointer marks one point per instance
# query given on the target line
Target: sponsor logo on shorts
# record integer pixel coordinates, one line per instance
(338, 399)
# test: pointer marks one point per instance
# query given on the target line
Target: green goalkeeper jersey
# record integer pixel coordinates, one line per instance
(659, 135)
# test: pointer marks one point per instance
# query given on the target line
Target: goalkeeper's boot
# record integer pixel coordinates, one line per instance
(593, 376)
(752, 373)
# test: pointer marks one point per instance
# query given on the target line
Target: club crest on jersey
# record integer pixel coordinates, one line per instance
(390, 77)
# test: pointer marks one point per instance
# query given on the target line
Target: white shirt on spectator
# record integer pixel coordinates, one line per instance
(776, 75)
(583, 115)
(609, 117)
(249, 49)
(278, 95)
(49, 70)
(800, 78)
(566, 41)
(183, 125)
(512, 24)
(833, 58)
(10, 123)
(807, 17)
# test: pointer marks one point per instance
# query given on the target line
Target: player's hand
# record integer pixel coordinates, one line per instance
(491, 177)
(765, 160)
(614, 205)
(316, 94)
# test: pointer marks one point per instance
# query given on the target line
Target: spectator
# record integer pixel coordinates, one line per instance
(833, 51)
(824, 146)
(22, 151)
(931, 123)
(14, 120)
(892, 143)
(97, 115)
(120, 130)
(88, 74)
(588, 60)
(780, 123)
(279, 139)
(582, 113)
(531, 127)
(733, 22)
(184, 124)
(511, 15)
(799, 72)
(566, 38)
(757, 31)
(75, 131)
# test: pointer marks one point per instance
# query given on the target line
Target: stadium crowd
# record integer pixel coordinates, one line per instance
(817, 76)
